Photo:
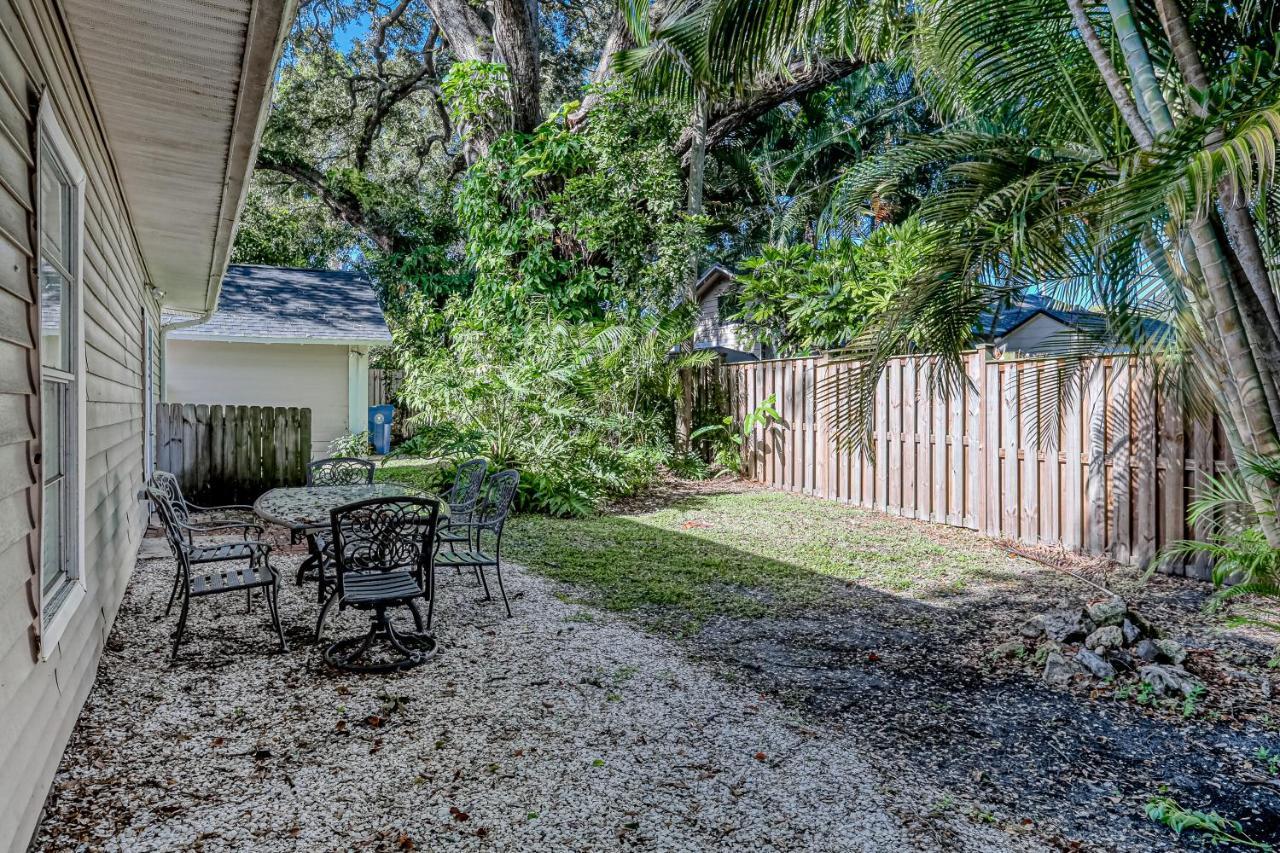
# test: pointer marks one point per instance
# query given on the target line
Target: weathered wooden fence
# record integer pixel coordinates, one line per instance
(383, 385)
(1089, 457)
(232, 454)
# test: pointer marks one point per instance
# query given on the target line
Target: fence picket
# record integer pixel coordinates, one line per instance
(231, 454)
(1109, 477)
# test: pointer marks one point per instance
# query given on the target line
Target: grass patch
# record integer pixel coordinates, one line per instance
(745, 554)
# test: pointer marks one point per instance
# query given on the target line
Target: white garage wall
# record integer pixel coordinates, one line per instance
(310, 375)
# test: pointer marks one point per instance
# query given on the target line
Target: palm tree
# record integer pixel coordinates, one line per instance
(1121, 152)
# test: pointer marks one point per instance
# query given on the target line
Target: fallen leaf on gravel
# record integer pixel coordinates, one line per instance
(404, 842)
(458, 814)
(760, 756)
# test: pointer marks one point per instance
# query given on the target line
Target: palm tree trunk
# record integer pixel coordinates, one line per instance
(1141, 71)
(1244, 336)
(1115, 85)
(1239, 220)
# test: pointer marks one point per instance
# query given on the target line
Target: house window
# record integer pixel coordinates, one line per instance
(59, 219)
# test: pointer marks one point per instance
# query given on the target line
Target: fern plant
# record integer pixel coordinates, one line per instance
(1245, 564)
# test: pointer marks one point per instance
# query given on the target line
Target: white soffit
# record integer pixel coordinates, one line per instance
(182, 88)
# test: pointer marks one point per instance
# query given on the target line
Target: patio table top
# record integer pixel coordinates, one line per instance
(305, 509)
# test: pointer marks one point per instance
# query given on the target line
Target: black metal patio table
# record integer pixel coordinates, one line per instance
(304, 511)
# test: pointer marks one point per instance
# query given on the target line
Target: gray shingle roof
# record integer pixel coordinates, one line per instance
(280, 304)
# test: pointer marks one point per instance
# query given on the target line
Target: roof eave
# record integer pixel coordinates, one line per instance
(269, 25)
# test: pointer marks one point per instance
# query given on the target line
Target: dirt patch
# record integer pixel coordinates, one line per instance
(915, 679)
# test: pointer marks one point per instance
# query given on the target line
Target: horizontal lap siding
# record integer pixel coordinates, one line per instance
(39, 701)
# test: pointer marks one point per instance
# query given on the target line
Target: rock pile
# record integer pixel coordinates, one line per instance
(1101, 639)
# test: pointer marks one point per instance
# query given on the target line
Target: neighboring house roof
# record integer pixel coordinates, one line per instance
(712, 276)
(1002, 321)
(262, 304)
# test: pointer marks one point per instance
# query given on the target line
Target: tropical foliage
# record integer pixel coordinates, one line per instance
(800, 299)
(1116, 155)
(581, 409)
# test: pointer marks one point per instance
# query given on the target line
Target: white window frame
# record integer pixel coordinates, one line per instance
(53, 624)
(150, 344)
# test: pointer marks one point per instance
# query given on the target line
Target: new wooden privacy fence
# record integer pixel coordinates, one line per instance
(1106, 468)
(232, 454)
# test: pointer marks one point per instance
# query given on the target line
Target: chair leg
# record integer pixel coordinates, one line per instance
(324, 614)
(173, 593)
(497, 567)
(417, 617)
(272, 592)
(431, 611)
(483, 583)
(182, 624)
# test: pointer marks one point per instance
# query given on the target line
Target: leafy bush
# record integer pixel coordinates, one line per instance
(582, 410)
(800, 299)
(1244, 561)
(350, 444)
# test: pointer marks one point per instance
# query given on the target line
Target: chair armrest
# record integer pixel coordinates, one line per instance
(223, 508)
(207, 527)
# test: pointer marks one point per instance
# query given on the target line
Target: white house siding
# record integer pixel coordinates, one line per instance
(248, 374)
(1041, 334)
(40, 699)
(709, 330)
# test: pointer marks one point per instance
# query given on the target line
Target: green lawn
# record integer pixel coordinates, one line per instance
(746, 554)
(739, 553)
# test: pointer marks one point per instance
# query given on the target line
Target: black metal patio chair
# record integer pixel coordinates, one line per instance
(198, 574)
(463, 497)
(340, 471)
(189, 513)
(490, 516)
(333, 471)
(382, 551)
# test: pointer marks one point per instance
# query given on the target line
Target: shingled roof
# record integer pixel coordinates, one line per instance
(280, 305)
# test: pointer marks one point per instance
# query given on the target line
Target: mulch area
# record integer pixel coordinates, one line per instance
(562, 728)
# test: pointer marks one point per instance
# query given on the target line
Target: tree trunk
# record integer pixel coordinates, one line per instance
(688, 295)
(1141, 71)
(515, 34)
(1115, 85)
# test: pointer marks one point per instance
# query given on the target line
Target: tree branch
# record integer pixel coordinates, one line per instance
(802, 79)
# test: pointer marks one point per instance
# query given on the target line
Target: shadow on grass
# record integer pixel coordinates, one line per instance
(781, 591)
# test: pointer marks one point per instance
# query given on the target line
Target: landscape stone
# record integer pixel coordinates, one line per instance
(1065, 625)
(1095, 663)
(1147, 650)
(1108, 612)
(1059, 671)
(1108, 637)
(1032, 629)
(1171, 651)
(1169, 680)
(1012, 648)
(1132, 633)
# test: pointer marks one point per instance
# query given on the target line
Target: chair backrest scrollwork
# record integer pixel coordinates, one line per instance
(340, 471)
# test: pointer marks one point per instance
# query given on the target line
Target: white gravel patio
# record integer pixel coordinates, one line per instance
(563, 728)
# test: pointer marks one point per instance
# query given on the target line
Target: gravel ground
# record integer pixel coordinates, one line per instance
(561, 729)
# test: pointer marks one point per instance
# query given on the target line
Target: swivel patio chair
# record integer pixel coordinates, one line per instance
(197, 572)
(463, 497)
(333, 471)
(490, 517)
(382, 550)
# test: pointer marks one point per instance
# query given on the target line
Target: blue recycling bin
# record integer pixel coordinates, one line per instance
(380, 418)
